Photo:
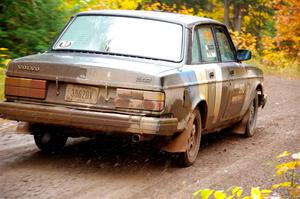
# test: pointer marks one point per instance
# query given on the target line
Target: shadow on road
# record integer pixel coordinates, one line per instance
(115, 153)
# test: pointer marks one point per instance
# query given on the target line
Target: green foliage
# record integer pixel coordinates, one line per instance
(28, 27)
(288, 171)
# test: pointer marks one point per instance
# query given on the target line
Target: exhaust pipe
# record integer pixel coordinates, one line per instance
(136, 138)
(139, 138)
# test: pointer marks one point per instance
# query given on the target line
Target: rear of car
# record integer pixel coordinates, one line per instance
(100, 74)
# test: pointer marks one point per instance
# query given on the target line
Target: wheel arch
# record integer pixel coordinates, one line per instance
(179, 142)
(202, 107)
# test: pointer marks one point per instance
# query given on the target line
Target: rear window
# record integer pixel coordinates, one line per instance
(124, 35)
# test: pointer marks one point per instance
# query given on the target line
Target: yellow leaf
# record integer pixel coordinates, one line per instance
(235, 190)
(219, 195)
(3, 49)
(255, 193)
(291, 165)
(239, 193)
(266, 191)
(206, 193)
(285, 184)
(275, 186)
(284, 154)
(281, 169)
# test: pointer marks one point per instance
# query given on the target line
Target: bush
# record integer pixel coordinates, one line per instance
(28, 27)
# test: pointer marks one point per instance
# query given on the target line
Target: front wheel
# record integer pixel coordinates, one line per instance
(188, 157)
(251, 122)
(48, 140)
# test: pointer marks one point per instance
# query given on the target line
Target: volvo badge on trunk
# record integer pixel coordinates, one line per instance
(28, 68)
(143, 79)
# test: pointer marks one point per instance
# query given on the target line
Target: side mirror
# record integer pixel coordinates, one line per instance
(243, 55)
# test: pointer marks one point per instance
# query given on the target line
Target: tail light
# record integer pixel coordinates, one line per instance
(22, 87)
(142, 100)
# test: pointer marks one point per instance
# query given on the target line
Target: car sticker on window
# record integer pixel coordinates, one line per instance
(208, 35)
(210, 51)
(64, 44)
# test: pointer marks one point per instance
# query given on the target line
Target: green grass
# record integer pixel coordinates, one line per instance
(2, 70)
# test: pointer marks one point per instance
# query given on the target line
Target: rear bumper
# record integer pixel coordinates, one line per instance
(92, 120)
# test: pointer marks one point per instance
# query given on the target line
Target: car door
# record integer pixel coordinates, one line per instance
(206, 59)
(236, 74)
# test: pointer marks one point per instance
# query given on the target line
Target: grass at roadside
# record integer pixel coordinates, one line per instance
(2, 83)
(291, 72)
(287, 72)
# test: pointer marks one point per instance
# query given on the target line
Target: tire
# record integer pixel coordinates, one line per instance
(251, 122)
(48, 140)
(188, 157)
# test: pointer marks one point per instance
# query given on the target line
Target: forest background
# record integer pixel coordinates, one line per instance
(269, 28)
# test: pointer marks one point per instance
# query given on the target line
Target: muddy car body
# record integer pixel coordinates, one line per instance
(166, 75)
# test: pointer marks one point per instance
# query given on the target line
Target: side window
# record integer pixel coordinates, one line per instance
(226, 51)
(207, 45)
(195, 49)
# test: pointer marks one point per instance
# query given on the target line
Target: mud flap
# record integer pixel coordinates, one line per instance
(23, 128)
(180, 142)
(263, 100)
(240, 127)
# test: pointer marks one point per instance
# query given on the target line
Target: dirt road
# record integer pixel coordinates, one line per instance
(116, 168)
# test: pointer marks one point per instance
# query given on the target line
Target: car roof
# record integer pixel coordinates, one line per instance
(185, 20)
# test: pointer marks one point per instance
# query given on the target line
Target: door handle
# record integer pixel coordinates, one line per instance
(211, 75)
(231, 72)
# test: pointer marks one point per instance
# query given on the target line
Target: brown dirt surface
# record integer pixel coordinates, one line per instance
(110, 167)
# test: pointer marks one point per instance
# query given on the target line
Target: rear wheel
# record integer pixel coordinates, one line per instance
(188, 157)
(251, 123)
(48, 140)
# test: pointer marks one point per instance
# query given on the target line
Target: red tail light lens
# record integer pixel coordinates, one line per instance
(23, 87)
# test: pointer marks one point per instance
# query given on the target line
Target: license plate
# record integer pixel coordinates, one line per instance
(81, 94)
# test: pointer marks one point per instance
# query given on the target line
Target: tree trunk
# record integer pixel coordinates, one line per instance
(226, 12)
(236, 14)
(239, 13)
(239, 22)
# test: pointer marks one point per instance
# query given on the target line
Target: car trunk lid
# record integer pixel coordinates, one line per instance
(87, 75)
(90, 69)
